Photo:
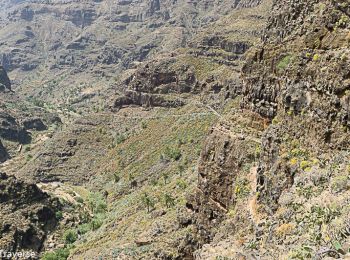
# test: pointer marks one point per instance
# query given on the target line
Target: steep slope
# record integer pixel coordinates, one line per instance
(291, 203)
(144, 153)
(272, 180)
(123, 175)
(19, 120)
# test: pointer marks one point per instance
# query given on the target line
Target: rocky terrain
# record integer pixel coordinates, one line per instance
(294, 206)
(175, 129)
(27, 216)
(73, 49)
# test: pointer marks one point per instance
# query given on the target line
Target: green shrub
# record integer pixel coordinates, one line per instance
(165, 176)
(169, 200)
(84, 228)
(70, 236)
(343, 21)
(97, 203)
(59, 215)
(316, 57)
(144, 125)
(97, 221)
(59, 254)
(182, 184)
(120, 139)
(298, 152)
(79, 200)
(242, 188)
(181, 169)
(305, 164)
(173, 153)
(284, 62)
(154, 182)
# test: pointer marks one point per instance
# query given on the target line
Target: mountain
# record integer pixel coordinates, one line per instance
(153, 129)
(86, 45)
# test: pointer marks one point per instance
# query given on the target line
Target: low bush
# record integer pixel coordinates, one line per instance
(70, 236)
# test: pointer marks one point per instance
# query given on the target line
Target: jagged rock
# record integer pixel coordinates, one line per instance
(27, 216)
(221, 162)
(3, 153)
(5, 82)
(11, 130)
(35, 124)
(149, 84)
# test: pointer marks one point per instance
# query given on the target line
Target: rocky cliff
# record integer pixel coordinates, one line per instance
(296, 192)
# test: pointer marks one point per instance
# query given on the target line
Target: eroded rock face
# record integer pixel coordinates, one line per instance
(150, 83)
(34, 123)
(300, 77)
(5, 82)
(3, 153)
(223, 166)
(298, 80)
(27, 216)
(218, 169)
(10, 129)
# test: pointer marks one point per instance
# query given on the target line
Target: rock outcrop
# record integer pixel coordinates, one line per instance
(11, 129)
(306, 88)
(3, 153)
(152, 84)
(27, 216)
(5, 82)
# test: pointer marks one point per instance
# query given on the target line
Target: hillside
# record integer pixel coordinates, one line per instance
(175, 129)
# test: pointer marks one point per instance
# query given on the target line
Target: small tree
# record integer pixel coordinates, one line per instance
(148, 202)
(169, 200)
(96, 203)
